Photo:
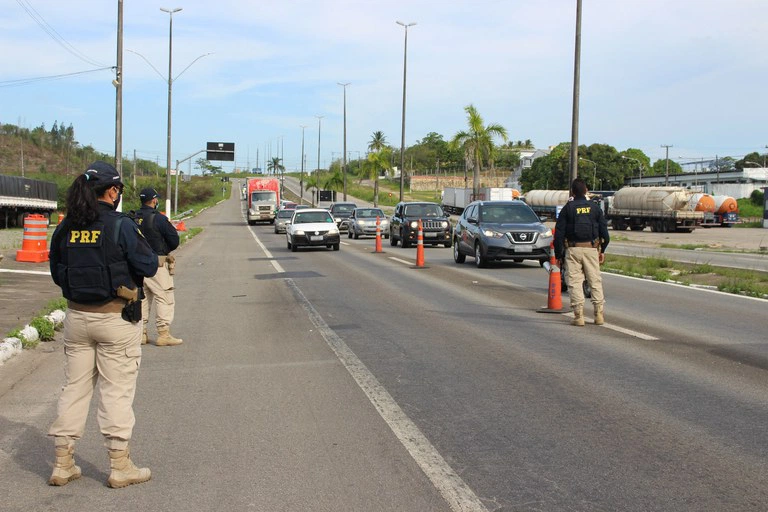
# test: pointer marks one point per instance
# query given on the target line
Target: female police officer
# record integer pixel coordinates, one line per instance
(99, 259)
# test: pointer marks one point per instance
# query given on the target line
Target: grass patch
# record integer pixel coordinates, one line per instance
(738, 281)
(189, 235)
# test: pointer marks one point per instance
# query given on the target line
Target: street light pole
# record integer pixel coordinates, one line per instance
(118, 83)
(317, 178)
(402, 136)
(170, 87)
(344, 159)
(666, 178)
(594, 174)
(639, 163)
(301, 180)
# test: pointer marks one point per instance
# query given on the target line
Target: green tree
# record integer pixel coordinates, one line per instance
(378, 141)
(275, 165)
(550, 172)
(206, 166)
(377, 162)
(660, 167)
(477, 143)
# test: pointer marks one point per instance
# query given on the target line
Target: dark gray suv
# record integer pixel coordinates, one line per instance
(500, 230)
(435, 224)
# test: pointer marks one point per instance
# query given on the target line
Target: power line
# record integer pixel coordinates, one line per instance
(27, 81)
(48, 29)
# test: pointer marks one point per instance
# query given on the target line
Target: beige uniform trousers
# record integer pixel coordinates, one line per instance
(105, 350)
(158, 290)
(581, 263)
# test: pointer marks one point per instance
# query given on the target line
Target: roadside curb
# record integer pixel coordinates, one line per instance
(13, 346)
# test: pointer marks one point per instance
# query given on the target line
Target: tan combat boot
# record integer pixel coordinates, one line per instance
(578, 316)
(164, 339)
(124, 472)
(599, 320)
(144, 337)
(64, 469)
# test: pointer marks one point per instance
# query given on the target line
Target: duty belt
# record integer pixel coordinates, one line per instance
(113, 306)
(580, 244)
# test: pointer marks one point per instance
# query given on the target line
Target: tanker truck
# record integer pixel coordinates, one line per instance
(546, 203)
(726, 211)
(663, 209)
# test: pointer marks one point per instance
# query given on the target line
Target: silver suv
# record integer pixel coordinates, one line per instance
(500, 230)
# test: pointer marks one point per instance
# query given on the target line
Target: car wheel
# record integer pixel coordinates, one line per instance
(336, 247)
(405, 243)
(392, 240)
(356, 236)
(447, 244)
(288, 242)
(349, 234)
(458, 257)
(293, 247)
(480, 259)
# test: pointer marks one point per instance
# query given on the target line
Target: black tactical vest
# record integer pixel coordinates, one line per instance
(146, 221)
(584, 227)
(92, 264)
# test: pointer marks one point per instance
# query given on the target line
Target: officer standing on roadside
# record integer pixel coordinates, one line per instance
(163, 238)
(582, 228)
(99, 259)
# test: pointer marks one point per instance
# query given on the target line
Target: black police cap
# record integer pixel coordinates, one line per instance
(148, 194)
(101, 172)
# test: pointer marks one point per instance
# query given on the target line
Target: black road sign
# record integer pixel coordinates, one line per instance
(223, 151)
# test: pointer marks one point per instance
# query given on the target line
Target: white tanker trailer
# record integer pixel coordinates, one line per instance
(663, 209)
(546, 202)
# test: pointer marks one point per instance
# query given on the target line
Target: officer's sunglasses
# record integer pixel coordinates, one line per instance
(119, 188)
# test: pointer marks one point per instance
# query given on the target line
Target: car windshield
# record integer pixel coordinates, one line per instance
(263, 195)
(369, 213)
(285, 214)
(507, 214)
(423, 210)
(343, 208)
(310, 217)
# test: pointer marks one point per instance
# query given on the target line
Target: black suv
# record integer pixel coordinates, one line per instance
(341, 212)
(404, 224)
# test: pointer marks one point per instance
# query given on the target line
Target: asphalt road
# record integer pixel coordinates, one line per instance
(352, 380)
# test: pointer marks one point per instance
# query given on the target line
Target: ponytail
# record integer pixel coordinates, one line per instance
(82, 201)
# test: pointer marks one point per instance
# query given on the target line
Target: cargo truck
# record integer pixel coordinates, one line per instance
(663, 209)
(20, 197)
(455, 199)
(263, 200)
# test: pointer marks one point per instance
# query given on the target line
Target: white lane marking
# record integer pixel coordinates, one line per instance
(450, 485)
(404, 262)
(36, 272)
(272, 260)
(630, 332)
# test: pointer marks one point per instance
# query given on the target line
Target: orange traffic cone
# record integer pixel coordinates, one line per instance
(179, 225)
(34, 246)
(378, 234)
(420, 246)
(554, 298)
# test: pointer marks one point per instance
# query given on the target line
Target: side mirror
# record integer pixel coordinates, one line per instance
(472, 220)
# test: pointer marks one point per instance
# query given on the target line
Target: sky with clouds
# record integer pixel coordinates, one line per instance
(688, 73)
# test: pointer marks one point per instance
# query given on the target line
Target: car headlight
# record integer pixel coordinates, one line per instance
(547, 233)
(414, 224)
(444, 224)
(492, 234)
(333, 231)
(361, 223)
(299, 232)
(337, 219)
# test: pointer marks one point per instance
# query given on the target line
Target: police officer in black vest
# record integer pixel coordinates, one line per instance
(581, 236)
(99, 259)
(159, 290)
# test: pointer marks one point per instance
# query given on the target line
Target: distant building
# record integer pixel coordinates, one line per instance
(737, 184)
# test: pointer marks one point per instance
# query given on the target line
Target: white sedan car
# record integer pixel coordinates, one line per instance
(312, 227)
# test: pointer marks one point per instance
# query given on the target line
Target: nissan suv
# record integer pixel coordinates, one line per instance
(404, 224)
(500, 230)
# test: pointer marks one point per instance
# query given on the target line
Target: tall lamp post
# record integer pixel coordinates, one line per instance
(170, 87)
(317, 178)
(576, 89)
(402, 136)
(640, 166)
(301, 180)
(344, 159)
(594, 173)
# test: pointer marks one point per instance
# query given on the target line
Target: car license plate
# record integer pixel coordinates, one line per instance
(523, 249)
(430, 235)
(316, 238)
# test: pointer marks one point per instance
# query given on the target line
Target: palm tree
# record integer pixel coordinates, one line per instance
(275, 166)
(477, 143)
(377, 161)
(378, 141)
(310, 182)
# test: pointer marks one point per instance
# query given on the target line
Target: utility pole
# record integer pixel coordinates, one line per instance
(301, 180)
(576, 78)
(344, 159)
(402, 132)
(118, 83)
(666, 179)
(317, 177)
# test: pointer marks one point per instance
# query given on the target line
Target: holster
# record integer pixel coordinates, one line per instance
(170, 260)
(132, 310)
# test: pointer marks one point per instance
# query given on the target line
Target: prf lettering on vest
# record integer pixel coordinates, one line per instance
(84, 236)
(583, 209)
